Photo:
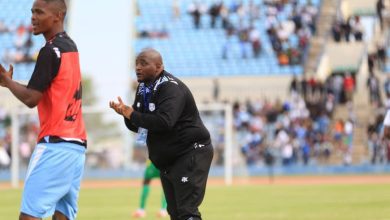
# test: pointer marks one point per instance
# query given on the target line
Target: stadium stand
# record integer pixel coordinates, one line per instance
(17, 45)
(298, 133)
(200, 48)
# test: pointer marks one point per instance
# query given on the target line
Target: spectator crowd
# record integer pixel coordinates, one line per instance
(288, 25)
(21, 48)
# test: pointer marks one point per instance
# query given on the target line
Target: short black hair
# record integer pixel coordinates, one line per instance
(60, 5)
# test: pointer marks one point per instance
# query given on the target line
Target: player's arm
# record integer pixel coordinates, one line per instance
(46, 69)
(27, 96)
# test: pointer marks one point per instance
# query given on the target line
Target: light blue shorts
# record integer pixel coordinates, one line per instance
(53, 180)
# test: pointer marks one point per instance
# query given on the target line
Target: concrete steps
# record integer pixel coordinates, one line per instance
(326, 16)
(363, 113)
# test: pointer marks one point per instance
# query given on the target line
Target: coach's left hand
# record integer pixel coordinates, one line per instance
(121, 108)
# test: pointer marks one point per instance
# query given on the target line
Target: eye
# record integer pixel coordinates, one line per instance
(143, 63)
(140, 63)
(36, 11)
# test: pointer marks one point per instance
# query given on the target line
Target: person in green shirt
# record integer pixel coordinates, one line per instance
(151, 172)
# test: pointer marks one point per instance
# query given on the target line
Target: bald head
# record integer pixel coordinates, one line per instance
(152, 54)
(149, 65)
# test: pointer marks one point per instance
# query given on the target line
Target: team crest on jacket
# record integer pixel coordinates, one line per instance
(152, 107)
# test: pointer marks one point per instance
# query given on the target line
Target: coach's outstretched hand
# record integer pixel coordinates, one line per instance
(4, 74)
(121, 108)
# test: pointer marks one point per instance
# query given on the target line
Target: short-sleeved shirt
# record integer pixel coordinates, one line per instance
(46, 69)
(57, 75)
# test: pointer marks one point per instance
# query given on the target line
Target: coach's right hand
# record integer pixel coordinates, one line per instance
(121, 108)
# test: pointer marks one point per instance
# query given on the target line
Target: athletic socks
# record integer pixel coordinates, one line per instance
(144, 195)
(163, 202)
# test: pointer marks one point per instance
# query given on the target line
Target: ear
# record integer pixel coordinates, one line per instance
(160, 67)
(59, 16)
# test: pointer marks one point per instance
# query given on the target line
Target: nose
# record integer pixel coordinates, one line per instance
(138, 67)
(32, 17)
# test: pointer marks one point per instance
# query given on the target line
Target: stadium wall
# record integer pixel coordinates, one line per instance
(240, 88)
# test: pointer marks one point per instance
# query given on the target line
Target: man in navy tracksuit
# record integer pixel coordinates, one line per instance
(164, 113)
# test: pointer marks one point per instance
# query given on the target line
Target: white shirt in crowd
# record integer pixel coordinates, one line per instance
(386, 122)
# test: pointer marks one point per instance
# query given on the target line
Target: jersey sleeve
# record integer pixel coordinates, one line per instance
(46, 69)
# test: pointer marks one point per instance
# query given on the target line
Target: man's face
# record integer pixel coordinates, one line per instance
(146, 68)
(43, 17)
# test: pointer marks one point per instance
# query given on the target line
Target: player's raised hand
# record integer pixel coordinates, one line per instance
(121, 108)
(5, 74)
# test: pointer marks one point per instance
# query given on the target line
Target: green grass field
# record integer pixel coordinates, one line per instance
(263, 202)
